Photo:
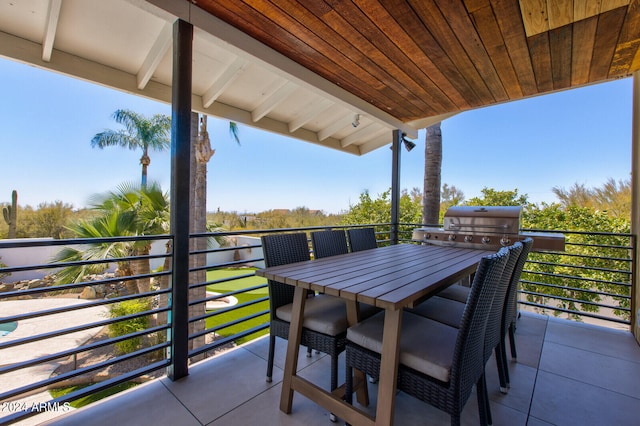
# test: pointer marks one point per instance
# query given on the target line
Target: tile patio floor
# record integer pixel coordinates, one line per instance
(566, 374)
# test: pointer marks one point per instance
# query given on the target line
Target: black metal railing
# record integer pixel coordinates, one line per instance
(590, 280)
(212, 329)
(228, 304)
(54, 355)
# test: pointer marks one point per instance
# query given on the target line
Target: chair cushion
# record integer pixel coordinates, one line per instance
(425, 345)
(458, 293)
(443, 310)
(322, 313)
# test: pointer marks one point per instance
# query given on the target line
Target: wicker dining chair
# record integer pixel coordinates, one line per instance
(450, 313)
(508, 324)
(325, 317)
(446, 307)
(328, 243)
(332, 243)
(362, 239)
(438, 364)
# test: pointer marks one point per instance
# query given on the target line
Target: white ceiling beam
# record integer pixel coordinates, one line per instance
(228, 76)
(29, 52)
(155, 55)
(336, 126)
(240, 116)
(367, 132)
(309, 112)
(273, 101)
(373, 144)
(53, 16)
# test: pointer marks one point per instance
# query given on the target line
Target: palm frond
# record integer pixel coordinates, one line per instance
(234, 131)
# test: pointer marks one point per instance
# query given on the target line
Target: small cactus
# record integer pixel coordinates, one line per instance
(10, 213)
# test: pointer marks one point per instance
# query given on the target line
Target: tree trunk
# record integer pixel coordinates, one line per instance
(201, 153)
(126, 269)
(432, 175)
(145, 160)
(141, 267)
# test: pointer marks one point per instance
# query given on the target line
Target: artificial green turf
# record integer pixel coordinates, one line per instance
(235, 285)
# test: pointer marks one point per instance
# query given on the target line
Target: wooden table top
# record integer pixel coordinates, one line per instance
(391, 277)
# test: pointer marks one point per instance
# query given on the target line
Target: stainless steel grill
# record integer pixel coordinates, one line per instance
(486, 227)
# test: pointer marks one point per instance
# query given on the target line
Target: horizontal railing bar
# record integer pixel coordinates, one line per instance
(227, 325)
(224, 249)
(582, 267)
(576, 278)
(81, 241)
(578, 313)
(581, 290)
(230, 293)
(83, 262)
(599, 233)
(222, 265)
(225, 340)
(80, 349)
(44, 336)
(80, 306)
(593, 257)
(282, 230)
(90, 390)
(64, 287)
(570, 299)
(550, 231)
(225, 310)
(607, 246)
(80, 371)
(224, 280)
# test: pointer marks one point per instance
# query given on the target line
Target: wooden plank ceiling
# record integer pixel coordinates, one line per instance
(417, 59)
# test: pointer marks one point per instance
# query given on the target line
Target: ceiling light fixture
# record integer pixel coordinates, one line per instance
(356, 120)
(407, 143)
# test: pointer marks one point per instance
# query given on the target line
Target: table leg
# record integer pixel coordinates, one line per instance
(389, 367)
(293, 348)
(362, 391)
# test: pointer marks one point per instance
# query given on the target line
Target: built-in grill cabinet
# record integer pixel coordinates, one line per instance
(486, 227)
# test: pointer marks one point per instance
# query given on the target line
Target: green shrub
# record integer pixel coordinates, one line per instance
(129, 326)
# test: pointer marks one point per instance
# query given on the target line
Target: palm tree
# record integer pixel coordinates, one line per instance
(146, 211)
(432, 175)
(139, 133)
(128, 211)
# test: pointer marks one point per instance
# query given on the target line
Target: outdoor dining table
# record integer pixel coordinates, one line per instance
(391, 278)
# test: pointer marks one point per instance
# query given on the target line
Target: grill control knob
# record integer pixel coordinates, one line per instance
(452, 237)
(468, 238)
(505, 241)
(486, 240)
(427, 236)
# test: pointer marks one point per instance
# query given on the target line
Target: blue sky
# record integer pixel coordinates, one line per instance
(47, 121)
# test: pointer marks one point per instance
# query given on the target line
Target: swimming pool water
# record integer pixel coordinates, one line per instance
(7, 327)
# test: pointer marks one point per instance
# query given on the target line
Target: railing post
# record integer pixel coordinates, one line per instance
(395, 186)
(180, 195)
(635, 204)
